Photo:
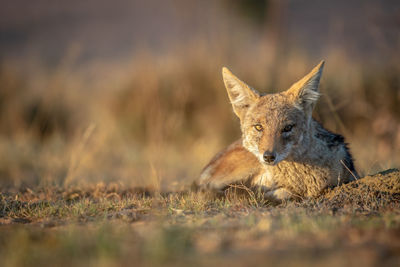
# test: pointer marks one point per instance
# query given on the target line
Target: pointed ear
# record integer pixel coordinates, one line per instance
(305, 92)
(240, 94)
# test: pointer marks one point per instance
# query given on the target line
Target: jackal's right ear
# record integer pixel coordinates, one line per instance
(305, 92)
(240, 94)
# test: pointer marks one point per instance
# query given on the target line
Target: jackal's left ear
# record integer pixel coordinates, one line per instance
(240, 94)
(305, 92)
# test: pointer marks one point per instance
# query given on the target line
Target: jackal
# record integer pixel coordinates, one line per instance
(283, 151)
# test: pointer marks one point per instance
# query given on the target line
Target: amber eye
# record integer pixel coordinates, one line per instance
(258, 127)
(288, 128)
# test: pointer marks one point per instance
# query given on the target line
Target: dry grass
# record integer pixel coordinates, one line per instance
(110, 225)
(158, 123)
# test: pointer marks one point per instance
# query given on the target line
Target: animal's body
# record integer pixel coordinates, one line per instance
(283, 150)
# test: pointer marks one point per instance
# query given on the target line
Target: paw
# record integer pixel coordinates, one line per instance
(279, 194)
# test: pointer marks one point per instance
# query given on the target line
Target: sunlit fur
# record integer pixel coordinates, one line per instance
(307, 157)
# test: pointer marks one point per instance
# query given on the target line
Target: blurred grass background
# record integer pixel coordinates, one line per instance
(131, 92)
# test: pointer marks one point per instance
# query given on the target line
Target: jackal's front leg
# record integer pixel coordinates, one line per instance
(234, 165)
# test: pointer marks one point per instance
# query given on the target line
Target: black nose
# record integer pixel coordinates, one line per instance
(269, 157)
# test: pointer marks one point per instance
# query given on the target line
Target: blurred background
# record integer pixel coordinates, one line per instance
(130, 92)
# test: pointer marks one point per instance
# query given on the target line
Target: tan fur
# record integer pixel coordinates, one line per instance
(283, 151)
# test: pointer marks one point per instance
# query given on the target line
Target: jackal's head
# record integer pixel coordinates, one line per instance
(274, 125)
